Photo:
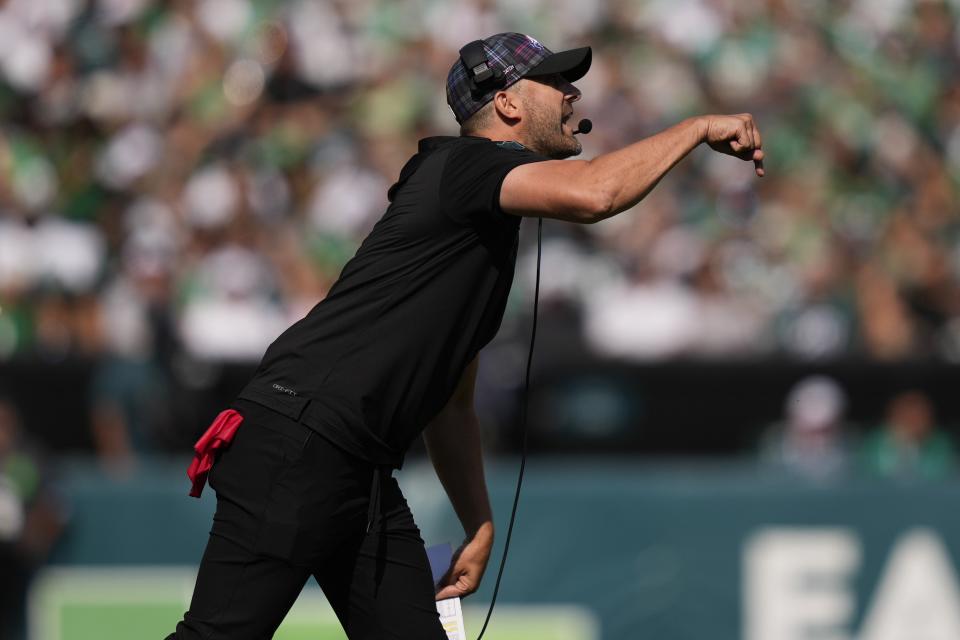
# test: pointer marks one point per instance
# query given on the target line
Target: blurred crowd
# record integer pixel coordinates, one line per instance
(181, 180)
(190, 176)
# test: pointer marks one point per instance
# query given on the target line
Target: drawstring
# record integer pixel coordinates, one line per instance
(376, 506)
(375, 498)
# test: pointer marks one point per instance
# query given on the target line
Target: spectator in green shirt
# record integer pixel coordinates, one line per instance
(908, 444)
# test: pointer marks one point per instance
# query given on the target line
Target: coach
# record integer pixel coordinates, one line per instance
(301, 463)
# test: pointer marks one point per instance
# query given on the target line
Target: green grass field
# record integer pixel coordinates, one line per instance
(146, 602)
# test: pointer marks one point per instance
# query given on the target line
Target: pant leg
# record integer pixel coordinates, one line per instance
(239, 595)
(380, 585)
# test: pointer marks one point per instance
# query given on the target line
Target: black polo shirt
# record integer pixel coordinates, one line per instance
(375, 360)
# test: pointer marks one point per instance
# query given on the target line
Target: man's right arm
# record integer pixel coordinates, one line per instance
(586, 191)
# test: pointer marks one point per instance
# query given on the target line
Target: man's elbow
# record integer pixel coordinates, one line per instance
(594, 205)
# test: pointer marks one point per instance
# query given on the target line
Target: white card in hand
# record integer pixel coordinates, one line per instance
(451, 617)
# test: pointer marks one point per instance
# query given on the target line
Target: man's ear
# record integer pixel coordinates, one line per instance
(508, 106)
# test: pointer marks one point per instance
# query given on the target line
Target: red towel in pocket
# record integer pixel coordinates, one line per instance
(219, 435)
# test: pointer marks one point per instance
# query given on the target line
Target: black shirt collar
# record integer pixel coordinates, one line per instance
(427, 145)
(432, 143)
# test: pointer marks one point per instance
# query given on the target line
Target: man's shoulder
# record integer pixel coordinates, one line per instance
(457, 160)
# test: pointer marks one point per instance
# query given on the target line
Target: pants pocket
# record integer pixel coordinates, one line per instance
(254, 497)
(281, 520)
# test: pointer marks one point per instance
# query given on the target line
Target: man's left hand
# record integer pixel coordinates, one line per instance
(467, 566)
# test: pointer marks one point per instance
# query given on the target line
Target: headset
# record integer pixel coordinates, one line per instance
(483, 78)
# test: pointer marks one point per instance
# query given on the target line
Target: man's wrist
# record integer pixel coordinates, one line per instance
(482, 532)
(699, 124)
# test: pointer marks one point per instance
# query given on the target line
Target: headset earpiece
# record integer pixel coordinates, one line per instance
(483, 77)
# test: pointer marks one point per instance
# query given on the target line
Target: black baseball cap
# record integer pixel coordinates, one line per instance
(514, 56)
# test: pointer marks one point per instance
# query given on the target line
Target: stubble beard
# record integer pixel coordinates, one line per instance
(546, 133)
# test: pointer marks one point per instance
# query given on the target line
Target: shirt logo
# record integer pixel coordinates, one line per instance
(282, 389)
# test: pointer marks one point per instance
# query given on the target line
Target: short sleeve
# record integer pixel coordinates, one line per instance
(472, 177)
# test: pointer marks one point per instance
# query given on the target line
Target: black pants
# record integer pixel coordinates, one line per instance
(291, 505)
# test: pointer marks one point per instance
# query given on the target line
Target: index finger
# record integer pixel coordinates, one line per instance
(758, 162)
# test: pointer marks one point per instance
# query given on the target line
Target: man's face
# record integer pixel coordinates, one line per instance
(549, 123)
